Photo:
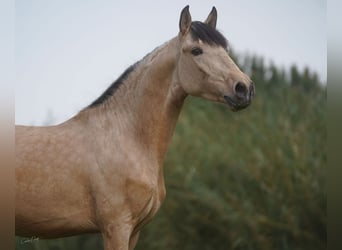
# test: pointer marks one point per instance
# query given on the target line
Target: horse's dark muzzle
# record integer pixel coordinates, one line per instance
(242, 98)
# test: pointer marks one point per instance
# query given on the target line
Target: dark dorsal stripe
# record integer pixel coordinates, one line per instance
(113, 87)
(207, 34)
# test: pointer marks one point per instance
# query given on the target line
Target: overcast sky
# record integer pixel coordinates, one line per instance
(68, 52)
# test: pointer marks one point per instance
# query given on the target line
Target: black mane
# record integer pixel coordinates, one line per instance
(207, 34)
(114, 86)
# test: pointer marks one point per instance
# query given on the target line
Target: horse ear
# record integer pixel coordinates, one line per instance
(212, 18)
(185, 21)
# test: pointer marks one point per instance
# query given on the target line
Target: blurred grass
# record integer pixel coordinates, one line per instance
(248, 180)
(253, 179)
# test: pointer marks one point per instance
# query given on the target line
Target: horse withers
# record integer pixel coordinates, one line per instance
(102, 170)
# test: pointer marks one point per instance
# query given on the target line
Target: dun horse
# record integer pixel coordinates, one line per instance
(102, 170)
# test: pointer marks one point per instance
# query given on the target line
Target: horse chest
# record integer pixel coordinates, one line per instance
(134, 196)
(147, 211)
(145, 198)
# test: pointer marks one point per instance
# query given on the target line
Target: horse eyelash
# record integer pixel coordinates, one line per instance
(196, 51)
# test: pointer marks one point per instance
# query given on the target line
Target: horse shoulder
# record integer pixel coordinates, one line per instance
(127, 193)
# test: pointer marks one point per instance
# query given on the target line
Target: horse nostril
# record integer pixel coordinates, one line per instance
(241, 90)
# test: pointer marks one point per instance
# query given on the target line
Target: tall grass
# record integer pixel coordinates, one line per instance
(253, 179)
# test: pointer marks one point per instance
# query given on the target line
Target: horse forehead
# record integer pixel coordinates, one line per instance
(215, 51)
(211, 51)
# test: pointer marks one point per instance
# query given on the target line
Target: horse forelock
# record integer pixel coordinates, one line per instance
(207, 34)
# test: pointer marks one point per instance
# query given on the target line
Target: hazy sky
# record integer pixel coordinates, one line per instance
(68, 52)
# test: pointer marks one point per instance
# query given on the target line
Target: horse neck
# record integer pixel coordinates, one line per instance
(146, 106)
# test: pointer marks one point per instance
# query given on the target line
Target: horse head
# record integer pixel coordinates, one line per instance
(205, 68)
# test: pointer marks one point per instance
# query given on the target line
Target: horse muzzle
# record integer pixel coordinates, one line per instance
(242, 96)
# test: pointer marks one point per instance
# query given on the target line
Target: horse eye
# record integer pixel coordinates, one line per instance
(196, 51)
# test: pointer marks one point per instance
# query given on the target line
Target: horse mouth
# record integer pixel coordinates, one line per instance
(235, 104)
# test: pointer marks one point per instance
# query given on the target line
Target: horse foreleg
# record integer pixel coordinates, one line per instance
(116, 237)
(133, 241)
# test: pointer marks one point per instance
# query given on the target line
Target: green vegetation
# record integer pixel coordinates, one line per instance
(253, 179)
